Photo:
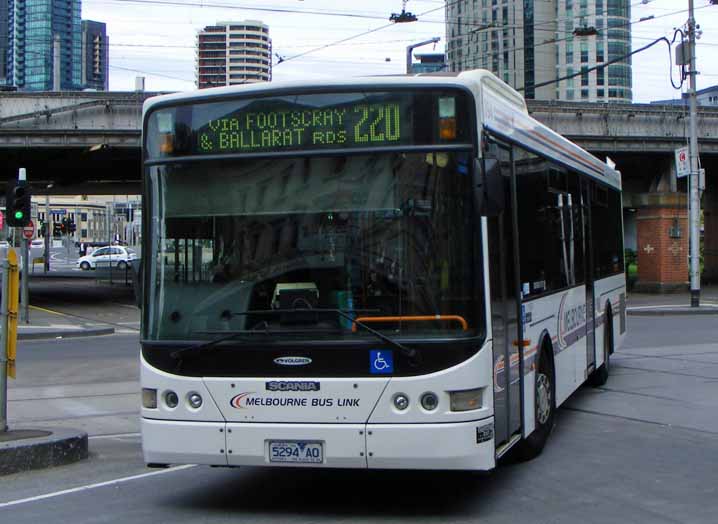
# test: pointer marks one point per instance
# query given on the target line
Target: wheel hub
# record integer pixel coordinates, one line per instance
(543, 398)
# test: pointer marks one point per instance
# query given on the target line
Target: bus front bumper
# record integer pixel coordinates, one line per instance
(446, 446)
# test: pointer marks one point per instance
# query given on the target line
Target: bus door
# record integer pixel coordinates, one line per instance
(504, 306)
(588, 273)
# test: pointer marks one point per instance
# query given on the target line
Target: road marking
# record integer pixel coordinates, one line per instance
(49, 311)
(93, 486)
(114, 435)
(665, 306)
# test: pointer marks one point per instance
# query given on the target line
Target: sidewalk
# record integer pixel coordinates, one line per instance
(64, 308)
(32, 448)
(46, 323)
(646, 304)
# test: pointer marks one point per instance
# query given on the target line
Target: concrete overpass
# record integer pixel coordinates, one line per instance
(80, 142)
(89, 143)
(94, 137)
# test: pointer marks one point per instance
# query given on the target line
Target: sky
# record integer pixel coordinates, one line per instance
(156, 38)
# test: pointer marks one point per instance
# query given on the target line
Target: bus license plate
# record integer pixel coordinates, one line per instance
(295, 451)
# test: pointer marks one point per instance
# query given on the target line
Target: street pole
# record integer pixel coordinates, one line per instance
(3, 344)
(25, 281)
(48, 234)
(695, 199)
(22, 176)
(109, 233)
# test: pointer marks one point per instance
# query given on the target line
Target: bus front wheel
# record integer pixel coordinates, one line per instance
(544, 408)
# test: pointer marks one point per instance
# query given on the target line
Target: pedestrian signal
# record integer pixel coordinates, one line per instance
(18, 199)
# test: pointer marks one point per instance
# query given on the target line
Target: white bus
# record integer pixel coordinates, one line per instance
(394, 272)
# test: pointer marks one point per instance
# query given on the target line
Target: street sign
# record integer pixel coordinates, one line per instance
(29, 230)
(683, 167)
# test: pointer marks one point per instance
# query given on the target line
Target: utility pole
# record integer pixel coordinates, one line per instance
(695, 198)
(48, 232)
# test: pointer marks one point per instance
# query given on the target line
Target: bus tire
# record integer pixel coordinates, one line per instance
(544, 407)
(600, 376)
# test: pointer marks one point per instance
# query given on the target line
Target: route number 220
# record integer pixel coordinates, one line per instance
(377, 123)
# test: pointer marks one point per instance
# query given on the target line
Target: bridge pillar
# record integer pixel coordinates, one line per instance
(662, 242)
(710, 238)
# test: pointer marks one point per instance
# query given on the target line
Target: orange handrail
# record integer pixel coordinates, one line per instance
(420, 318)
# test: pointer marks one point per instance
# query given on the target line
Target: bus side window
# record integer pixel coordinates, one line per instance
(606, 215)
(547, 232)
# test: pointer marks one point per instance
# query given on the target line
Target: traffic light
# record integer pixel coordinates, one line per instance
(18, 203)
(72, 227)
(42, 230)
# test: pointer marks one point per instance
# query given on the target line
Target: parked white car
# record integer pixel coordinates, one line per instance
(108, 256)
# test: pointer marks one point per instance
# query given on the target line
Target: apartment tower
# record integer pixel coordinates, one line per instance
(95, 55)
(231, 53)
(530, 44)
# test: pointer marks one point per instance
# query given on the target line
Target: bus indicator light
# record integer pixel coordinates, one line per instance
(149, 398)
(166, 144)
(447, 128)
(447, 118)
(466, 400)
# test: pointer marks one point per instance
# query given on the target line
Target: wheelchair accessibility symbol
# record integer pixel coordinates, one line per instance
(381, 362)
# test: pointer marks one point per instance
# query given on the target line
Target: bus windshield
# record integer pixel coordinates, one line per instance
(245, 244)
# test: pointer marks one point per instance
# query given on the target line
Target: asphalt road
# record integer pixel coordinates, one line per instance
(642, 449)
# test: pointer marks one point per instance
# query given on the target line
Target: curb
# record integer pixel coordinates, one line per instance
(667, 311)
(49, 449)
(78, 333)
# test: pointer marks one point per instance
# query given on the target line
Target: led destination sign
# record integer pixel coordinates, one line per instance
(360, 125)
(310, 122)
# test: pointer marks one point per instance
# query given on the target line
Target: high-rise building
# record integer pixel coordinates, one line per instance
(94, 55)
(230, 53)
(4, 40)
(33, 27)
(531, 43)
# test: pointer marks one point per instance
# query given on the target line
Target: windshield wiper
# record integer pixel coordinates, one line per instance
(409, 352)
(177, 355)
(202, 346)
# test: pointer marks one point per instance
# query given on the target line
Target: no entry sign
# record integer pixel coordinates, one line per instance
(28, 231)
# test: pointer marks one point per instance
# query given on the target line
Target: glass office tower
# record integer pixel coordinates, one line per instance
(32, 27)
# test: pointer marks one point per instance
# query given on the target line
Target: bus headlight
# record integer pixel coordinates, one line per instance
(466, 400)
(401, 401)
(429, 401)
(149, 398)
(171, 399)
(195, 400)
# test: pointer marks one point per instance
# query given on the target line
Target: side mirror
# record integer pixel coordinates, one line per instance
(135, 267)
(490, 188)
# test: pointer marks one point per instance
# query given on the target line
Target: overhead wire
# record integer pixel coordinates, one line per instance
(346, 40)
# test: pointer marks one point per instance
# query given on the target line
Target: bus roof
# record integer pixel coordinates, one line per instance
(502, 110)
